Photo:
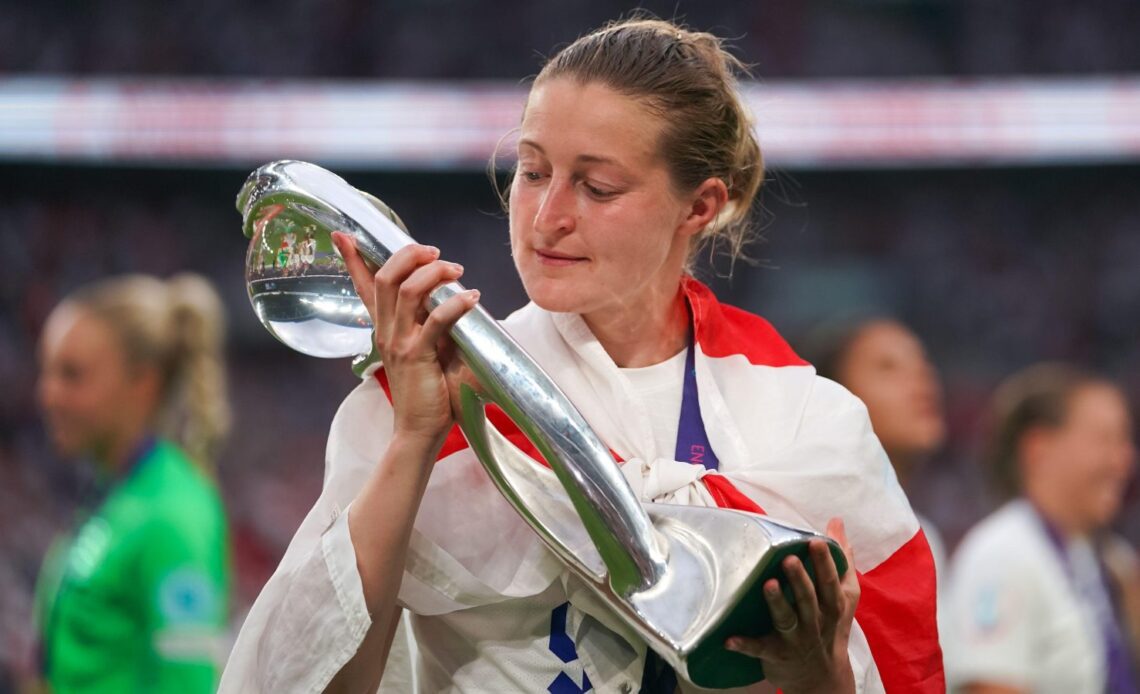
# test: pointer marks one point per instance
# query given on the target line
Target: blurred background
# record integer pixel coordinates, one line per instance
(972, 168)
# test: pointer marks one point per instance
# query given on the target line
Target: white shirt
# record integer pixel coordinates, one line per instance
(659, 389)
(1015, 615)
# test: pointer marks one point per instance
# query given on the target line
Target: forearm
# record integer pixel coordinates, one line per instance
(380, 523)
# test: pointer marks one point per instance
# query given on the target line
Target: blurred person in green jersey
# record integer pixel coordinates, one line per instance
(132, 379)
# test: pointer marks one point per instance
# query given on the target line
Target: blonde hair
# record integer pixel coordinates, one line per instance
(178, 327)
(691, 82)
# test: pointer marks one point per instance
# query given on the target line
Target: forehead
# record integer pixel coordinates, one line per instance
(72, 330)
(884, 336)
(566, 117)
(1097, 401)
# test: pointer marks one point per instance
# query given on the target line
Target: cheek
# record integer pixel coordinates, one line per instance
(637, 251)
(518, 223)
(882, 402)
(92, 403)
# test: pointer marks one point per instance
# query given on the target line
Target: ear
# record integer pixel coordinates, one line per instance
(146, 386)
(705, 203)
(1033, 450)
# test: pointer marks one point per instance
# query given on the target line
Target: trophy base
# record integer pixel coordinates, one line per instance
(710, 664)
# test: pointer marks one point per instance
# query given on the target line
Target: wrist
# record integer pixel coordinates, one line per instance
(841, 681)
(417, 445)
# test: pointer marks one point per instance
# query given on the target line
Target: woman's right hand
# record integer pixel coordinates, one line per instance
(409, 339)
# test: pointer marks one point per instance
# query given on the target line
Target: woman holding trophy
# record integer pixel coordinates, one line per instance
(634, 151)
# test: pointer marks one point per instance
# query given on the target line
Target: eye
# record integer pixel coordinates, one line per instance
(597, 192)
(530, 176)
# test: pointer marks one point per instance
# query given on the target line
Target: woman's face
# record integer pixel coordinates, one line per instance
(597, 226)
(86, 390)
(886, 367)
(1089, 458)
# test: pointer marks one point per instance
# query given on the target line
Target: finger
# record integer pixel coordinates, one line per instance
(784, 619)
(837, 530)
(358, 271)
(827, 586)
(414, 290)
(402, 264)
(762, 647)
(444, 316)
(807, 605)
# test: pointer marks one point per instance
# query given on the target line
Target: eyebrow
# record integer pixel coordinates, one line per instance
(588, 158)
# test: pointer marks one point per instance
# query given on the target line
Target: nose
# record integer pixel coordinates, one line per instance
(557, 211)
(925, 376)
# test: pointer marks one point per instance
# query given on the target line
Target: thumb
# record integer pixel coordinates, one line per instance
(837, 531)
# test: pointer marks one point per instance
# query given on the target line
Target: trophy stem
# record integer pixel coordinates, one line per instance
(610, 512)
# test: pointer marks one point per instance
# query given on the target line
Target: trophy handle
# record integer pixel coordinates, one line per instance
(633, 553)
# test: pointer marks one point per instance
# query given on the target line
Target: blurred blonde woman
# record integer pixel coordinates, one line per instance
(132, 379)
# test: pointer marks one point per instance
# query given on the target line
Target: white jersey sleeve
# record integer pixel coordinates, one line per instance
(1013, 617)
(990, 600)
(315, 595)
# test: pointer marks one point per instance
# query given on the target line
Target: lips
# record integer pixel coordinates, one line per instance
(557, 259)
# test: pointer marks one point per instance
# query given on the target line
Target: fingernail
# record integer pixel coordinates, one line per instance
(473, 295)
(772, 591)
(732, 644)
(456, 266)
(433, 250)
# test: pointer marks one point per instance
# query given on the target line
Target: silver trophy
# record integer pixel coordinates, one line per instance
(683, 577)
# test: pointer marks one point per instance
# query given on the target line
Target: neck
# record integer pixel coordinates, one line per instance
(118, 453)
(904, 464)
(642, 335)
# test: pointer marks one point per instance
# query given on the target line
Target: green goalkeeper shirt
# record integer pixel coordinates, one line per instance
(136, 600)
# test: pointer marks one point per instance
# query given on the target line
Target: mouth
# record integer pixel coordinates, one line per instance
(556, 259)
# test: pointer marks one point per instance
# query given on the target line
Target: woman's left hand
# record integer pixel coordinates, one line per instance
(807, 653)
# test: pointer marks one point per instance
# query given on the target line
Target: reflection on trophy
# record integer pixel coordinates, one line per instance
(683, 577)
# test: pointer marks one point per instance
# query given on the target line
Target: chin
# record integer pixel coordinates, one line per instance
(66, 447)
(1110, 505)
(932, 436)
(555, 296)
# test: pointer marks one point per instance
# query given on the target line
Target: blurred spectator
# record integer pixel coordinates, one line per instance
(131, 378)
(1030, 605)
(885, 365)
(352, 38)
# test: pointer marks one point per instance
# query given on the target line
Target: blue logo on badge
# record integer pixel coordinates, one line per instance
(187, 595)
(986, 609)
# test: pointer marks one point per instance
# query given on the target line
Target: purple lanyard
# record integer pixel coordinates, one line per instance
(692, 440)
(692, 447)
(1118, 664)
